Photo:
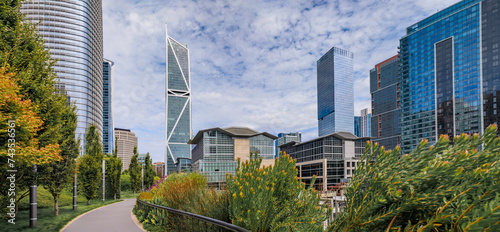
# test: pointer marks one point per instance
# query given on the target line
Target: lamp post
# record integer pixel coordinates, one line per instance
(33, 200)
(74, 191)
(103, 179)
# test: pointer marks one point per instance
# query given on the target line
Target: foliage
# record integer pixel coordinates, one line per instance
(125, 182)
(184, 191)
(29, 99)
(58, 174)
(442, 188)
(135, 172)
(272, 198)
(90, 165)
(149, 172)
(113, 172)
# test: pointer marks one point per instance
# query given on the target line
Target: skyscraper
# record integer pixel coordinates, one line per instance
(178, 104)
(286, 138)
(364, 123)
(108, 137)
(72, 31)
(335, 92)
(126, 141)
(384, 89)
(450, 73)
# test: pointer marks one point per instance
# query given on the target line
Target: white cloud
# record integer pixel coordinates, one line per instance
(252, 63)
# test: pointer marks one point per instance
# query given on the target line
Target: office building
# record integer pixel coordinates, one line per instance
(332, 158)
(159, 168)
(357, 124)
(286, 138)
(450, 76)
(386, 111)
(178, 104)
(217, 151)
(364, 123)
(108, 137)
(126, 141)
(72, 32)
(335, 92)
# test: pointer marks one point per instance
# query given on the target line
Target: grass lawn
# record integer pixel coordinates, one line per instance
(129, 194)
(46, 219)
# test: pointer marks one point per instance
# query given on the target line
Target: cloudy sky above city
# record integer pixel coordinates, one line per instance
(253, 63)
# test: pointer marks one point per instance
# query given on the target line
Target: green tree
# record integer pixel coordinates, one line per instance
(149, 172)
(113, 171)
(273, 199)
(135, 172)
(58, 174)
(440, 188)
(90, 165)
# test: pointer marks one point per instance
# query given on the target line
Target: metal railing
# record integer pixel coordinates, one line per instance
(185, 221)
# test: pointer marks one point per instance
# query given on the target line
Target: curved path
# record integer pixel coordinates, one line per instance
(114, 217)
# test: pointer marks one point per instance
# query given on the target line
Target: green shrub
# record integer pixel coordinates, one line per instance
(184, 191)
(442, 188)
(273, 199)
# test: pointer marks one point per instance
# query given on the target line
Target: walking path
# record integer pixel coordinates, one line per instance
(114, 217)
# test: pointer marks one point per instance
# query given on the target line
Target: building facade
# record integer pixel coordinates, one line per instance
(159, 168)
(332, 158)
(286, 138)
(141, 159)
(126, 141)
(178, 104)
(108, 132)
(335, 92)
(450, 78)
(217, 151)
(386, 104)
(365, 123)
(357, 124)
(72, 32)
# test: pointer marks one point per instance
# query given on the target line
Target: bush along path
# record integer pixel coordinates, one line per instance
(438, 188)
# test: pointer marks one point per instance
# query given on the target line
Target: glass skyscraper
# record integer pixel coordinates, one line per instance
(335, 92)
(450, 76)
(72, 30)
(386, 111)
(108, 137)
(178, 104)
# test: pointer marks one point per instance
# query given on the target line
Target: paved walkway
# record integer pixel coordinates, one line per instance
(114, 217)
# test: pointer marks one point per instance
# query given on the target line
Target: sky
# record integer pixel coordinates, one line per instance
(252, 63)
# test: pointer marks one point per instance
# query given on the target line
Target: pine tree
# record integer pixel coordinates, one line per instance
(135, 172)
(90, 165)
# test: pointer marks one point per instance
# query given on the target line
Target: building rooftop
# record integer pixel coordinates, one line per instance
(231, 131)
(341, 135)
(120, 129)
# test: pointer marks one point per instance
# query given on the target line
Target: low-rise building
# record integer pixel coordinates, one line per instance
(331, 158)
(159, 168)
(217, 151)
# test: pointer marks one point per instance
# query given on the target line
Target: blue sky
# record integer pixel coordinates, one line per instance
(253, 63)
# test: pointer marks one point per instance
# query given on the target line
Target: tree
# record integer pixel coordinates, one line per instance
(113, 171)
(149, 172)
(58, 174)
(135, 172)
(90, 165)
(23, 56)
(438, 188)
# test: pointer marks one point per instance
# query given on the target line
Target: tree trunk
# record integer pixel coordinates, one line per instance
(115, 196)
(88, 202)
(56, 206)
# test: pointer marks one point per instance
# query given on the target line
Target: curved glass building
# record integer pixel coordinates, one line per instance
(72, 30)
